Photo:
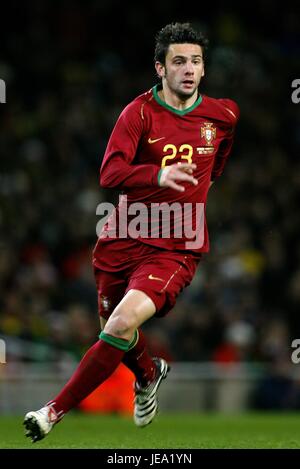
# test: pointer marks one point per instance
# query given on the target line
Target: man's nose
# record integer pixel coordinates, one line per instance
(189, 68)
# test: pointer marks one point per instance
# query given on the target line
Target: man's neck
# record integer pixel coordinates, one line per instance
(175, 101)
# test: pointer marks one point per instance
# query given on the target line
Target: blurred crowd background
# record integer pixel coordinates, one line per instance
(70, 67)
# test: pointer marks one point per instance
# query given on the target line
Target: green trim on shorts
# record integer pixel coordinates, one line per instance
(121, 344)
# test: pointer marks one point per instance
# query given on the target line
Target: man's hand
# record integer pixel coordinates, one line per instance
(177, 172)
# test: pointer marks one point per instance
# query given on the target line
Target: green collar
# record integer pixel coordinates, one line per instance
(170, 108)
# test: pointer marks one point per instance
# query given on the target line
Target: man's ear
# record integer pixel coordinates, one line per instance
(160, 69)
(203, 72)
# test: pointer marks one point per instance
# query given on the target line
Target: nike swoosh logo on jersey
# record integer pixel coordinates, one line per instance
(154, 140)
(155, 278)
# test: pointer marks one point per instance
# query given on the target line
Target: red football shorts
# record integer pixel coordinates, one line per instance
(124, 264)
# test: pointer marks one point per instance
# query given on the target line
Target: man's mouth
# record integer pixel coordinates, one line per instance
(188, 83)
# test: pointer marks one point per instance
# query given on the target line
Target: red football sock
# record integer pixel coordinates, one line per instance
(99, 362)
(140, 362)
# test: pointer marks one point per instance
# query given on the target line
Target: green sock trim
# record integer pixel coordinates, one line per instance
(134, 341)
(121, 344)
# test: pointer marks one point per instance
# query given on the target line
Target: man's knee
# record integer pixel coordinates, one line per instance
(122, 323)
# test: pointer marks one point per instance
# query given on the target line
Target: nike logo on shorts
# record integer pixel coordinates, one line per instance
(155, 278)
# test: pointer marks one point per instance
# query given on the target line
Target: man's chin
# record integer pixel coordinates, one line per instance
(186, 94)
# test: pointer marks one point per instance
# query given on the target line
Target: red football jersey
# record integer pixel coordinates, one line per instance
(149, 135)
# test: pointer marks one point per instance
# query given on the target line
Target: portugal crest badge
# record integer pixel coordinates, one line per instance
(208, 132)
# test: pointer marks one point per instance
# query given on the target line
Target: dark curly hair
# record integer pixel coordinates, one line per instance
(177, 33)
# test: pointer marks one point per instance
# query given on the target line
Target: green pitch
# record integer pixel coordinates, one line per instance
(168, 431)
